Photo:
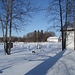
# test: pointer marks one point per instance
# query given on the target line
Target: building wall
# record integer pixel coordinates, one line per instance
(53, 39)
(70, 40)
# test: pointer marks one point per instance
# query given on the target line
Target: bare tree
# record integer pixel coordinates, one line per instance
(56, 10)
(60, 11)
(14, 15)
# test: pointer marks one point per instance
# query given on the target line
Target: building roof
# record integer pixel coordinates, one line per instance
(53, 37)
(70, 27)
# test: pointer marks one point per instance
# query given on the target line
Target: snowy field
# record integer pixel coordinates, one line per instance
(37, 59)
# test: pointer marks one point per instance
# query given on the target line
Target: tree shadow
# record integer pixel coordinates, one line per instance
(4, 69)
(42, 68)
(1, 71)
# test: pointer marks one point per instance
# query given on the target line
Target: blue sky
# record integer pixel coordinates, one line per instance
(38, 22)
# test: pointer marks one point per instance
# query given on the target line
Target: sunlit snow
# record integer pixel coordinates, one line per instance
(47, 59)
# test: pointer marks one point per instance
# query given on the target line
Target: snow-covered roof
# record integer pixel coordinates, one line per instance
(69, 26)
(53, 37)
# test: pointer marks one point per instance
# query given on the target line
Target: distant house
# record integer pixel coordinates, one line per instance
(69, 36)
(53, 39)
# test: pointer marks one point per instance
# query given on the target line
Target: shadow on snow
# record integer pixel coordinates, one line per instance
(4, 69)
(1, 71)
(42, 68)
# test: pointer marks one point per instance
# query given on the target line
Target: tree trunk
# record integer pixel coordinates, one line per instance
(38, 35)
(66, 24)
(35, 36)
(61, 25)
(10, 28)
(6, 41)
(74, 21)
(2, 32)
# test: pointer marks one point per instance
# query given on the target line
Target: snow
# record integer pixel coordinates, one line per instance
(48, 59)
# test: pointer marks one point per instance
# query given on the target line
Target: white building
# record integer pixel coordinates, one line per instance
(69, 36)
(69, 39)
(53, 39)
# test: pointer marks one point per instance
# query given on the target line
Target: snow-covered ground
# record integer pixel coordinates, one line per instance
(46, 59)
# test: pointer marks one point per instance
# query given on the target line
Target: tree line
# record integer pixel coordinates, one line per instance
(35, 36)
